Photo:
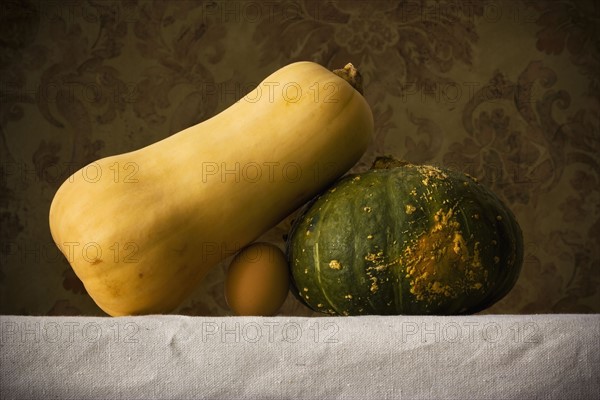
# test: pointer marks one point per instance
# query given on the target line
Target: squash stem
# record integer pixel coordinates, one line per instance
(351, 75)
(388, 162)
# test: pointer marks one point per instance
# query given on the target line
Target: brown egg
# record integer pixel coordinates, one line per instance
(257, 282)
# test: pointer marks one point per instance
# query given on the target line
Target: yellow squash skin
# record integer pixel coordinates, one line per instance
(141, 229)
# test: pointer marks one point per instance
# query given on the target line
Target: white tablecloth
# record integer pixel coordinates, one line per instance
(176, 357)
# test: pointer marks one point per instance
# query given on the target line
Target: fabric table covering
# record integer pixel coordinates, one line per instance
(552, 356)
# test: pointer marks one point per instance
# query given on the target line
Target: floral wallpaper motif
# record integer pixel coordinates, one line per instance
(507, 91)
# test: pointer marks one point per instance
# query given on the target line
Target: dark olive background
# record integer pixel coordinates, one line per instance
(507, 91)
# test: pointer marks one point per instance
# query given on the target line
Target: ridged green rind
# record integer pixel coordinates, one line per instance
(406, 240)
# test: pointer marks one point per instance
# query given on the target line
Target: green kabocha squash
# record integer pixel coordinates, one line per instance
(404, 239)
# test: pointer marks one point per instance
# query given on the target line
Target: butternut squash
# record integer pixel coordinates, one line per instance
(141, 229)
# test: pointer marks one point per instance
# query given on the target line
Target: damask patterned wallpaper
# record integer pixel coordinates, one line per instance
(507, 91)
